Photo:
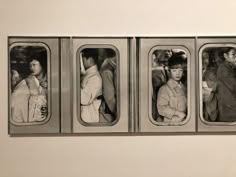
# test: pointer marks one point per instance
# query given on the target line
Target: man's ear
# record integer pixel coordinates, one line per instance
(91, 61)
(225, 55)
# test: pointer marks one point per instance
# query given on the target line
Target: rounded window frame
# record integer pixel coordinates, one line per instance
(200, 51)
(49, 102)
(78, 109)
(150, 53)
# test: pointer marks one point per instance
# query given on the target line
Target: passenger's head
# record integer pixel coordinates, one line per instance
(89, 57)
(155, 58)
(229, 54)
(217, 58)
(18, 73)
(163, 56)
(38, 64)
(175, 64)
(101, 54)
(111, 55)
(182, 54)
(168, 53)
(205, 59)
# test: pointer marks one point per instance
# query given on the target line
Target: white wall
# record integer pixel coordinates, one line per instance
(113, 156)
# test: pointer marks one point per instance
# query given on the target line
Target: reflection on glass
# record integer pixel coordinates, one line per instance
(98, 85)
(219, 84)
(169, 83)
(29, 87)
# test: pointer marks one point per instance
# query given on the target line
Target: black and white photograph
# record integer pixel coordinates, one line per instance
(117, 88)
(56, 87)
(218, 79)
(166, 84)
(216, 93)
(100, 87)
(33, 82)
(169, 83)
(29, 67)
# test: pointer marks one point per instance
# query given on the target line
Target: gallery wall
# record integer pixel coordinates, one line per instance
(116, 156)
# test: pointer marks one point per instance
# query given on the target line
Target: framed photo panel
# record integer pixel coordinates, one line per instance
(34, 84)
(101, 93)
(166, 84)
(217, 84)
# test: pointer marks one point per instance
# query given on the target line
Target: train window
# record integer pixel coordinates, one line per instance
(217, 84)
(29, 84)
(98, 85)
(169, 88)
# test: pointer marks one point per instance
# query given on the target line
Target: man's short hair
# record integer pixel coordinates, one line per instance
(90, 52)
(110, 53)
(225, 50)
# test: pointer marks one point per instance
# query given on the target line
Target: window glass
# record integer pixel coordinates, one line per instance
(169, 85)
(218, 83)
(99, 99)
(29, 96)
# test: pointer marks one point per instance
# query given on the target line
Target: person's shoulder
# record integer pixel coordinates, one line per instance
(94, 79)
(104, 66)
(224, 69)
(97, 75)
(222, 66)
(164, 88)
(156, 71)
(210, 73)
(106, 72)
(164, 91)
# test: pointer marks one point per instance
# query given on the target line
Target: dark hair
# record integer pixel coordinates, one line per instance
(155, 53)
(22, 69)
(225, 50)
(90, 52)
(110, 53)
(175, 60)
(41, 57)
(180, 53)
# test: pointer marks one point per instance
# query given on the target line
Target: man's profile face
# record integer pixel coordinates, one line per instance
(88, 62)
(168, 53)
(15, 78)
(205, 60)
(164, 56)
(231, 56)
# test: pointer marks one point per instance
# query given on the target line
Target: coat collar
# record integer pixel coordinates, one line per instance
(93, 69)
(173, 84)
(229, 65)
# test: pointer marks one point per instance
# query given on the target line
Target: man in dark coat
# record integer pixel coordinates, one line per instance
(226, 86)
(108, 108)
(159, 78)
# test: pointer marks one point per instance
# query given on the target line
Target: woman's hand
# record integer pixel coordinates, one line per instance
(44, 84)
(181, 115)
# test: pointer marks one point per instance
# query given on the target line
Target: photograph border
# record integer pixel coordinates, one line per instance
(31, 43)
